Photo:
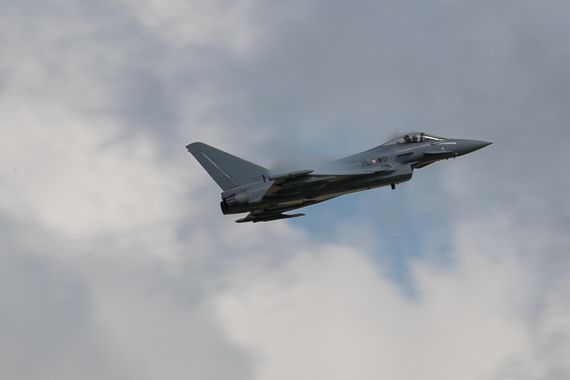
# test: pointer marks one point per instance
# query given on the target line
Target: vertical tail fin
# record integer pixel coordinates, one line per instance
(228, 171)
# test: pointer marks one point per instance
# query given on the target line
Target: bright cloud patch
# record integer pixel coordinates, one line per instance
(80, 178)
(328, 315)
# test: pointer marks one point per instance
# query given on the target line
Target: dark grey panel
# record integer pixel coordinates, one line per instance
(227, 170)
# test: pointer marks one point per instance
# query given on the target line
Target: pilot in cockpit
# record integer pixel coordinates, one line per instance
(414, 138)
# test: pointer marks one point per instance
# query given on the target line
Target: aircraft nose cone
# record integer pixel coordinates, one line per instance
(468, 146)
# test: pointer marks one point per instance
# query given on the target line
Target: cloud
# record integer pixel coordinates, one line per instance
(118, 264)
(83, 180)
(199, 23)
(327, 314)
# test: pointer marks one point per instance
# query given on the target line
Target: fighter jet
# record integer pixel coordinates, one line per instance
(266, 194)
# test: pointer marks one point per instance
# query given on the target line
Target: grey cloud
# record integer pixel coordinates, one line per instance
(331, 77)
(46, 322)
(67, 313)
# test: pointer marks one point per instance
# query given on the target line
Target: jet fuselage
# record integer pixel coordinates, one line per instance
(266, 194)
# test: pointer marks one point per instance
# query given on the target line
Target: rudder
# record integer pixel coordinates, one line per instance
(227, 170)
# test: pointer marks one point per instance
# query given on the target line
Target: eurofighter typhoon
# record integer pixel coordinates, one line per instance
(266, 194)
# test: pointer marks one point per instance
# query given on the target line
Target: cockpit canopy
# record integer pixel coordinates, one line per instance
(413, 137)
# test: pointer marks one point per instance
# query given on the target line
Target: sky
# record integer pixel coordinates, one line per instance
(116, 262)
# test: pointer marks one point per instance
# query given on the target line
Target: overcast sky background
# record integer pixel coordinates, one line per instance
(116, 262)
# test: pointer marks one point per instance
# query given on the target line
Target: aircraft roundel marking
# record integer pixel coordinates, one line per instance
(374, 161)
